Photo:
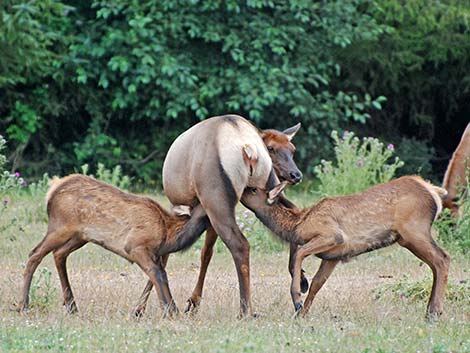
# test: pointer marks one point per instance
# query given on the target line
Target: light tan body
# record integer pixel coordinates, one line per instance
(189, 161)
(212, 163)
(455, 176)
(338, 228)
(82, 209)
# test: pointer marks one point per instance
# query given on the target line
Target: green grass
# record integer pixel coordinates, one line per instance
(346, 316)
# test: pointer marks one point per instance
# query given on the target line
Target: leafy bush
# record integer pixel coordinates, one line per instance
(111, 176)
(454, 233)
(134, 75)
(8, 181)
(358, 165)
(416, 155)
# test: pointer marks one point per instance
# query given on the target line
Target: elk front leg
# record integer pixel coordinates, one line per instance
(303, 280)
(206, 256)
(325, 270)
(316, 245)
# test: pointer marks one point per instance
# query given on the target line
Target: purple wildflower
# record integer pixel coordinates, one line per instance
(346, 133)
(391, 147)
(326, 170)
(360, 163)
(17, 174)
(5, 201)
(24, 183)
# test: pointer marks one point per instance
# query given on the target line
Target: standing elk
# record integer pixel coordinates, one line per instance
(455, 178)
(82, 209)
(338, 228)
(212, 163)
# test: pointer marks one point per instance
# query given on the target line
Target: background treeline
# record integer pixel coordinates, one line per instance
(116, 81)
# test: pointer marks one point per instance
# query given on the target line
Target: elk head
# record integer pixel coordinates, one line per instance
(281, 151)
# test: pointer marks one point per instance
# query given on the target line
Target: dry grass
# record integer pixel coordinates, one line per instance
(345, 316)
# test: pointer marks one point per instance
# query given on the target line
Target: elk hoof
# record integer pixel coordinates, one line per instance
(298, 306)
(170, 310)
(138, 312)
(433, 316)
(192, 305)
(71, 308)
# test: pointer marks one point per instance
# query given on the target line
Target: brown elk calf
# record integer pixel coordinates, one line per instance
(338, 228)
(455, 176)
(82, 209)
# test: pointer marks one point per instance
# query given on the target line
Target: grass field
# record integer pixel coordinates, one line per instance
(366, 305)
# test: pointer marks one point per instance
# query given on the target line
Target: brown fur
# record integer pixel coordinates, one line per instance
(338, 228)
(455, 176)
(82, 209)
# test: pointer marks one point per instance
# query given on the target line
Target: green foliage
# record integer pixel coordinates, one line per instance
(111, 176)
(43, 291)
(421, 64)
(454, 233)
(406, 288)
(135, 75)
(416, 155)
(357, 166)
(27, 35)
(8, 181)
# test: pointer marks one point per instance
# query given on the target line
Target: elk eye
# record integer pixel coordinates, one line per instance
(270, 149)
(253, 190)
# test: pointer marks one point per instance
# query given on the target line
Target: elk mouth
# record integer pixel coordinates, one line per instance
(291, 180)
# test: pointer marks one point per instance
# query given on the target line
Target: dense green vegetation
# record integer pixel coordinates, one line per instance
(116, 82)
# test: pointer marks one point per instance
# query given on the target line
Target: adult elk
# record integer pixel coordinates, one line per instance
(82, 209)
(339, 228)
(455, 178)
(212, 163)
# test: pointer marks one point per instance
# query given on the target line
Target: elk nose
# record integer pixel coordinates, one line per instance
(296, 176)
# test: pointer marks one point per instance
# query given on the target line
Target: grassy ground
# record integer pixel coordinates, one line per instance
(360, 309)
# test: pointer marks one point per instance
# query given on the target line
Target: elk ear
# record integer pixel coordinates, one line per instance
(290, 132)
(181, 210)
(273, 194)
(250, 157)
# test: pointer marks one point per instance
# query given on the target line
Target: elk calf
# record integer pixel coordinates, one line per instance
(338, 228)
(82, 209)
(455, 180)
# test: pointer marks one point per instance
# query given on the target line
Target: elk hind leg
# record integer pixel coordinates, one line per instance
(425, 248)
(51, 241)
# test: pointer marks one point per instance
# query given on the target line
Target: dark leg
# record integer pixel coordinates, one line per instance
(206, 256)
(303, 280)
(157, 275)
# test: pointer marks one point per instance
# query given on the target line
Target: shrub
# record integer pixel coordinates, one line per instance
(453, 233)
(111, 176)
(359, 164)
(8, 180)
